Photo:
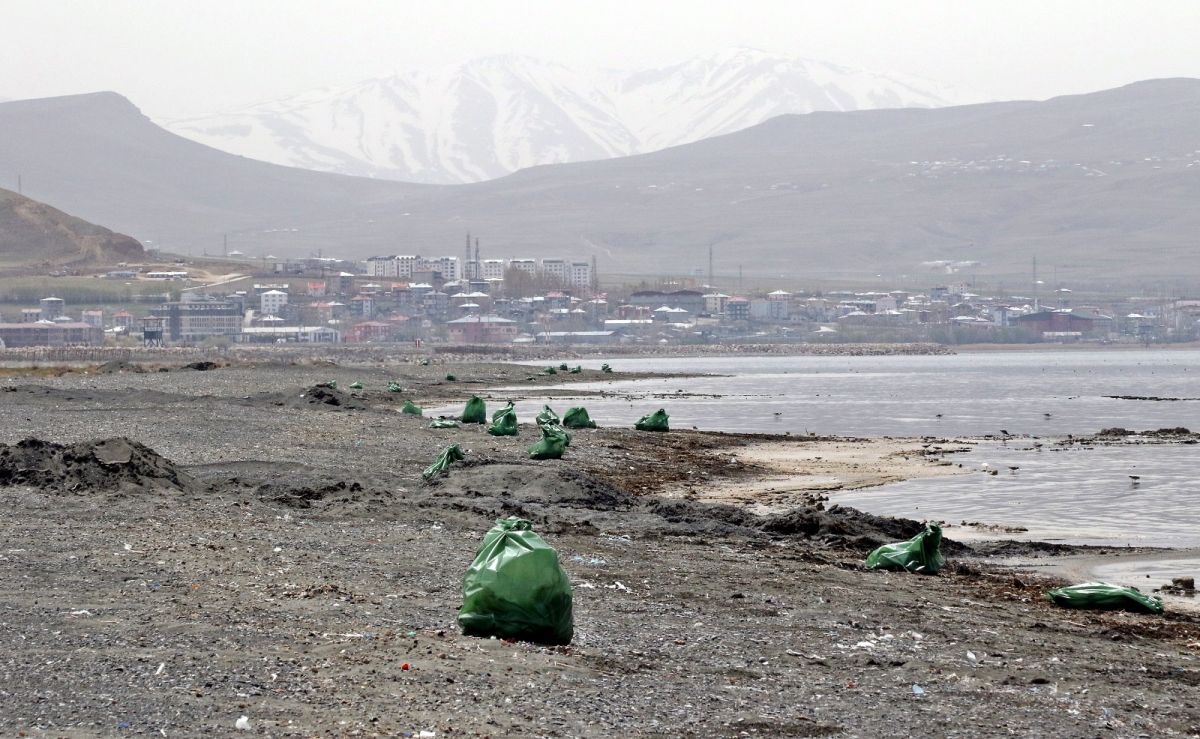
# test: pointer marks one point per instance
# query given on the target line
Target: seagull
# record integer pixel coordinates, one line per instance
(1013, 469)
(1047, 415)
(1135, 478)
(939, 415)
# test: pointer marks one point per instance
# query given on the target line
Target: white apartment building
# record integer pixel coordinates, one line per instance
(525, 265)
(450, 267)
(402, 266)
(580, 274)
(556, 269)
(493, 269)
(271, 302)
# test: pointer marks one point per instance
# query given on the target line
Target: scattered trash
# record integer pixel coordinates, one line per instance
(443, 423)
(451, 378)
(331, 384)
(394, 387)
(548, 416)
(356, 385)
(597, 561)
(563, 367)
(918, 690)
(921, 554)
(242, 724)
(452, 453)
(161, 666)
(606, 368)
(656, 421)
(554, 442)
(476, 411)
(577, 418)
(504, 421)
(405, 667)
(549, 371)
(411, 408)
(516, 588)
(1103, 596)
(577, 369)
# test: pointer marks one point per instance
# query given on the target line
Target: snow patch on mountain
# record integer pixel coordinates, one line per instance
(491, 116)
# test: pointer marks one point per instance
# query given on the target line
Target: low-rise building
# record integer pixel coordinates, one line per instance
(198, 318)
(490, 329)
(50, 333)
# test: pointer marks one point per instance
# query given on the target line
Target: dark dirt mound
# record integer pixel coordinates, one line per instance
(203, 366)
(565, 499)
(105, 466)
(308, 496)
(321, 396)
(117, 366)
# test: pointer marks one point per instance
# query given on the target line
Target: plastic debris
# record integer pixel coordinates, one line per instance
(443, 423)
(563, 367)
(577, 369)
(411, 408)
(922, 553)
(1105, 597)
(329, 384)
(452, 453)
(549, 371)
(242, 724)
(657, 421)
(476, 411)
(918, 690)
(554, 442)
(504, 421)
(606, 368)
(356, 385)
(516, 588)
(548, 416)
(451, 378)
(394, 387)
(577, 418)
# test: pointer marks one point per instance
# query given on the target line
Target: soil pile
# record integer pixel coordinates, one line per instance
(106, 466)
(321, 396)
(203, 366)
(117, 366)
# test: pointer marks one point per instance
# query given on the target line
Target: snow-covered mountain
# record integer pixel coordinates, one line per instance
(490, 116)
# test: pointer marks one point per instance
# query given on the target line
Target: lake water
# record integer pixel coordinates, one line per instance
(1074, 495)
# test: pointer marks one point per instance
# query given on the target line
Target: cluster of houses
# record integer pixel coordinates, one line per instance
(473, 301)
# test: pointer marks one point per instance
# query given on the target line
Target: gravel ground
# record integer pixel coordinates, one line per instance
(299, 562)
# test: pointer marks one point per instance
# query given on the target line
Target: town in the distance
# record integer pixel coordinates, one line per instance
(218, 301)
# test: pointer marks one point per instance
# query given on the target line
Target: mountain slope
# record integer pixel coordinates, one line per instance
(491, 116)
(1101, 186)
(35, 233)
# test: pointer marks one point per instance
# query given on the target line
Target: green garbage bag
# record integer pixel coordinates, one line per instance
(656, 421)
(443, 423)
(554, 442)
(605, 368)
(394, 387)
(548, 416)
(549, 371)
(922, 553)
(563, 367)
(356, 385)
(476, 411)
(411, 408)
(451, 378)
(328, 383)
(504, 422)
(576, 369)
(516, 589)
(424, 362)
(578, 418)
(1102, 596)
(452, 453)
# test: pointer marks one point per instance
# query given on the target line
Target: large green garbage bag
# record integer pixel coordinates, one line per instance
(504, 422)
(411, 408)
(577, 369)
(516, 589)
(394, 387)
(1102, 596)
(476, 411)
(548, 416)
(578, 418)
(443, 423)
(563, 367)
(452, 453)
(605, 368)
(554, 442)
(656, 421)
(922, 553)
(549, 371)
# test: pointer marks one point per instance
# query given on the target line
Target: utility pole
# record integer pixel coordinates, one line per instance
(710, 267)
(467, 257)
(739, 278)
(1035, 284)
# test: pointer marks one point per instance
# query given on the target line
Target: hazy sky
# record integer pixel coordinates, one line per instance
(177, 58)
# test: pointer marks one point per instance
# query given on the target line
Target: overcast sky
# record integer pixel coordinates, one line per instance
(177, 58)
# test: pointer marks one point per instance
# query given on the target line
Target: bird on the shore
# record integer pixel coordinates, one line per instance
(1135, 478)
(939, 415)
(1013, 468)
(1047, 415)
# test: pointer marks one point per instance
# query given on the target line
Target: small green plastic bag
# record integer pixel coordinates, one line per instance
(394, 387)
(1102, 596)
(656, 421)
(443, 423)
(516, 588)
(504, 422)
(451, 378)
(605, 368)
(549, 371)
(548, 416)
(411, 408)
(452, 453)
(922, 553)
(356, 385)
(554, 442)
(476, 411)
(578, 418)
(577, 369)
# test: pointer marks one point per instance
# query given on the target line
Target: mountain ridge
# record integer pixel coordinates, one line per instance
(59, 239)
(492, 115)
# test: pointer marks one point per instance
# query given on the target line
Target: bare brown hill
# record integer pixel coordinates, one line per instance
(33, 234)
